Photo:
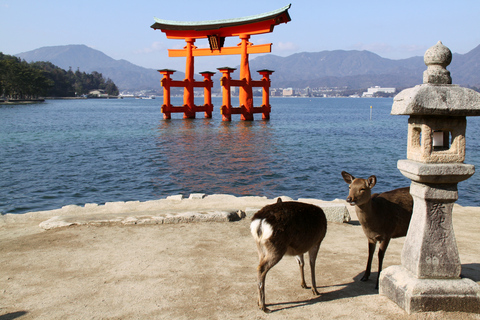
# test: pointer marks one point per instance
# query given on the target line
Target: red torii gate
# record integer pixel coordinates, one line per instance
(216, 31)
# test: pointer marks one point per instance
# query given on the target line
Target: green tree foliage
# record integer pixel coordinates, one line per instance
(22, 80)
(61, 82)
(19, 80)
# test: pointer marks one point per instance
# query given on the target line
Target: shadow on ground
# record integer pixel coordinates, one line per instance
(13, 315)
(352, 289)
(471, 271)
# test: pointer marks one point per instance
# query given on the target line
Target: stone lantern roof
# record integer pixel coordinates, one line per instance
(437, 96)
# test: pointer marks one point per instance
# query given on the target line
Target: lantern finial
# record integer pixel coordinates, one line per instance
(437, 58)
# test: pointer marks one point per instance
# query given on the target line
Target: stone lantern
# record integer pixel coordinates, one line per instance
(429, 277)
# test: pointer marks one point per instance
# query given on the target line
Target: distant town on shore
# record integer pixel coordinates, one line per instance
(322, 92)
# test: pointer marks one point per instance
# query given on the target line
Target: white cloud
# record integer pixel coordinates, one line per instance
(414, 49)
(285, 46)
(154, 47)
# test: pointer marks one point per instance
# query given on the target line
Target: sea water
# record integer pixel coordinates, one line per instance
(64, 152)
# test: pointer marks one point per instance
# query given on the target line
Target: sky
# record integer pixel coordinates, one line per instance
(121, 29)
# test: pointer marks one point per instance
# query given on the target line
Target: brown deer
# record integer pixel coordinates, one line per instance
(383, 216)
(291, 228)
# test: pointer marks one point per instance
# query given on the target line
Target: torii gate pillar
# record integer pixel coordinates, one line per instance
(188, 95)
(245, 91)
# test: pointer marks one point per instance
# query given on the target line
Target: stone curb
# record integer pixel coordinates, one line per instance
(127, 213)
(186, 217)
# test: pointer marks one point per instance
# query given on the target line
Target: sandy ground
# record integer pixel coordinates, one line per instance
(204, 270)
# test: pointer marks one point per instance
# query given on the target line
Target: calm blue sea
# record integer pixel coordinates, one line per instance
(65, 152)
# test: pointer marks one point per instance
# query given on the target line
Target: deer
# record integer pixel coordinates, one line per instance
(287, 228)
(382, 216)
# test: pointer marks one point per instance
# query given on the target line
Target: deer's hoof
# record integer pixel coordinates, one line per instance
(265, 309)
(364, 278)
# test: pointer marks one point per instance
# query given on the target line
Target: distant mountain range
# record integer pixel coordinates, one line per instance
(339, 68)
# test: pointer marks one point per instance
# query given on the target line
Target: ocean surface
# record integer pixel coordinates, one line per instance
(64, 152)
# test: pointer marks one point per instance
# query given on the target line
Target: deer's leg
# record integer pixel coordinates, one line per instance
(381, 254)
(301, 264)
(312, 255)
(269, 260)
(371, 251)
(261, 254)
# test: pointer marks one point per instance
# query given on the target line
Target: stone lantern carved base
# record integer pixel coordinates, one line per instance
(429, 277)
(430, 249)
(422, 295)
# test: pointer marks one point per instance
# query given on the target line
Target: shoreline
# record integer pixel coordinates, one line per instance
(197, 207)
(33, 101)
(170, 210)
(20, 101)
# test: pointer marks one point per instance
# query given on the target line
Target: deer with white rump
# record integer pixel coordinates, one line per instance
(291, 228)
(383, 216)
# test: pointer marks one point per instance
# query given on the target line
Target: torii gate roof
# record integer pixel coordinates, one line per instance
(257, 24)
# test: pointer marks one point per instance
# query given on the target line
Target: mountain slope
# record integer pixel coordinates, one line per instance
(465, 68)
(343, 68)
(338, 68)
(126, 75)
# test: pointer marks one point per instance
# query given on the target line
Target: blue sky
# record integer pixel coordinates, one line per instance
(121, 29)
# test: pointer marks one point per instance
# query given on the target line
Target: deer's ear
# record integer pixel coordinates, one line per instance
(372, 181)
(347, 177)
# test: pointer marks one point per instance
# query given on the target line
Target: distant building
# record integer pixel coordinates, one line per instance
(307, 92)
(97, 93)
(371, 91)
(276, 92)
(288, 92)
(234, 91)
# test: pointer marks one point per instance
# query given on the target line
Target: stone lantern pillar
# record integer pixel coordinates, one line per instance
(429, 277)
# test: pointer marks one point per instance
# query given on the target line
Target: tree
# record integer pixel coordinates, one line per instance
(61, 84)
(21, 80)
(110, 88)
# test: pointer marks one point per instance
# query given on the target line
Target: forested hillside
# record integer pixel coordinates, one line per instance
(126, 75)
(22, 80)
